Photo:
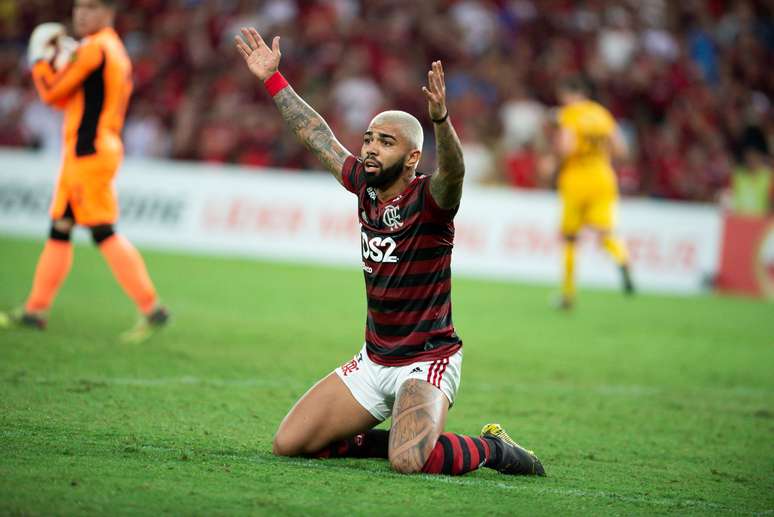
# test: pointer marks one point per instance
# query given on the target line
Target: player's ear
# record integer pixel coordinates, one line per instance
(413, 158)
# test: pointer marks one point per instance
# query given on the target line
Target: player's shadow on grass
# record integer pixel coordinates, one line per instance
(381, 468)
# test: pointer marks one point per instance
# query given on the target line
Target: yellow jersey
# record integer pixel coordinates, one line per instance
(593, 127)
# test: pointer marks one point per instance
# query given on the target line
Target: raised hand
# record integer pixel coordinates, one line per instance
(435, 91)
(260, 59)
(446, 183)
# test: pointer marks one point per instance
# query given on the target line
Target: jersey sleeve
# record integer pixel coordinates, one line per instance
(53, 87)
(352, 174)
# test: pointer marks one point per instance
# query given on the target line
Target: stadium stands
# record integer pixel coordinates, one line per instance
(690, 82)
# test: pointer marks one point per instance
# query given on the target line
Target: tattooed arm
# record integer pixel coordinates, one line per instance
(306, 123)
(446, 184)
(312, 130)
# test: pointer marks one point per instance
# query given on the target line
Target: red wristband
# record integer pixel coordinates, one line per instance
(275, 84)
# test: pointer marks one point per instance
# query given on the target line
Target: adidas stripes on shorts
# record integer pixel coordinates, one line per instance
(375, 386)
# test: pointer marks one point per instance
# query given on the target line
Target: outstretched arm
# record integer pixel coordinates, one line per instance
(306, 123)
(446, 183)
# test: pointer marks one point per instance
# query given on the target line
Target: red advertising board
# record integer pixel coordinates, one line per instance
(747, 257)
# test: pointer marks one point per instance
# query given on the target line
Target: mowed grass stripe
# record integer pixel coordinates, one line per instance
(334, 467)
(612, 390)
(642, 406)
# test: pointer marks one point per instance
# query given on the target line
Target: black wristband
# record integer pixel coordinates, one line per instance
(440, 120)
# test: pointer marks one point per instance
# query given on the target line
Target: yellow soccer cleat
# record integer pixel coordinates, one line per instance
(18, 318)
(147, 326)
(508, 457)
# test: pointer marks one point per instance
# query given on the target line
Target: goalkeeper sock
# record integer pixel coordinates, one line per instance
(129, 269)
(371, 444)
(568, 279)
(455, 454)
(616, 249)
(52, 269)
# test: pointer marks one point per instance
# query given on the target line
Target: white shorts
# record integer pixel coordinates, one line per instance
(375, 386)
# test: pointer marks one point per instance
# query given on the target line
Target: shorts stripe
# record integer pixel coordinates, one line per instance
(430, 371)
(439, 372)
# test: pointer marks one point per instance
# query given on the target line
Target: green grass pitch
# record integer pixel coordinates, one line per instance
(650, 405)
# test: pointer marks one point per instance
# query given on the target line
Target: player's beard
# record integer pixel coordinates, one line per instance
(387, 176)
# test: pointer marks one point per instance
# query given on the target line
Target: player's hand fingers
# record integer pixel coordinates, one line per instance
(434, 83)
(441, 84)
(438, 77)
(431, 81)
(242, 47)
(275, 46)
(251, 43)
(429, 95)
(258, 39)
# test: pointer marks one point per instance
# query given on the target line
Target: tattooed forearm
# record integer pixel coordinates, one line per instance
(446, 184)
(418, 419)
(312, 130)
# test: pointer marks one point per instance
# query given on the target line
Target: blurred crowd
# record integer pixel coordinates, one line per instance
(690, 82)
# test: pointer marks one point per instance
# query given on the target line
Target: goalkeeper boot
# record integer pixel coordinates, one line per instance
(21, 318)
(564, 303)
(626, 280)
(507, 456)
(147, 326)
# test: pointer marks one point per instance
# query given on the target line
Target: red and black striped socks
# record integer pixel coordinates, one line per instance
(370, 444)
(453, 454)
(456, 454)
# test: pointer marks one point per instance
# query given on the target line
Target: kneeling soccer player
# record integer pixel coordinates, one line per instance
(409, 367)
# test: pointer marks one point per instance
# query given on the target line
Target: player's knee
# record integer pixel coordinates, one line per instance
(61, 229)
(101, 232)
(406, 464)
(284, 446)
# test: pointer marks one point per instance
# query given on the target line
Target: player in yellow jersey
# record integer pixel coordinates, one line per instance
(588, 140)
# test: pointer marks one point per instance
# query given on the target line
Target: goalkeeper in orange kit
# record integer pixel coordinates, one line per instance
(587, 141)
(91, 82)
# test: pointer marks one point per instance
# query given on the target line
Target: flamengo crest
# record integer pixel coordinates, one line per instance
(391, 217)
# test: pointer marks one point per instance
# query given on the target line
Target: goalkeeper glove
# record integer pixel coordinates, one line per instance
(49, 41)
(66, 47)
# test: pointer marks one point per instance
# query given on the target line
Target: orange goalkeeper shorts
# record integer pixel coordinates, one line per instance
(86, 184)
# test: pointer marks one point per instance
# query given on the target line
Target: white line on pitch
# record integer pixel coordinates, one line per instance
(613, 390)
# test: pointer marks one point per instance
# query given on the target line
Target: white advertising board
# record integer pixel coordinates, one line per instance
(290, 215)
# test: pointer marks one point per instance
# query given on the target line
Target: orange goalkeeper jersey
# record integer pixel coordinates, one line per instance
(93, 89)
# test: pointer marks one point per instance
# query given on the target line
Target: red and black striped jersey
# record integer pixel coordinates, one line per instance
(406, 245)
